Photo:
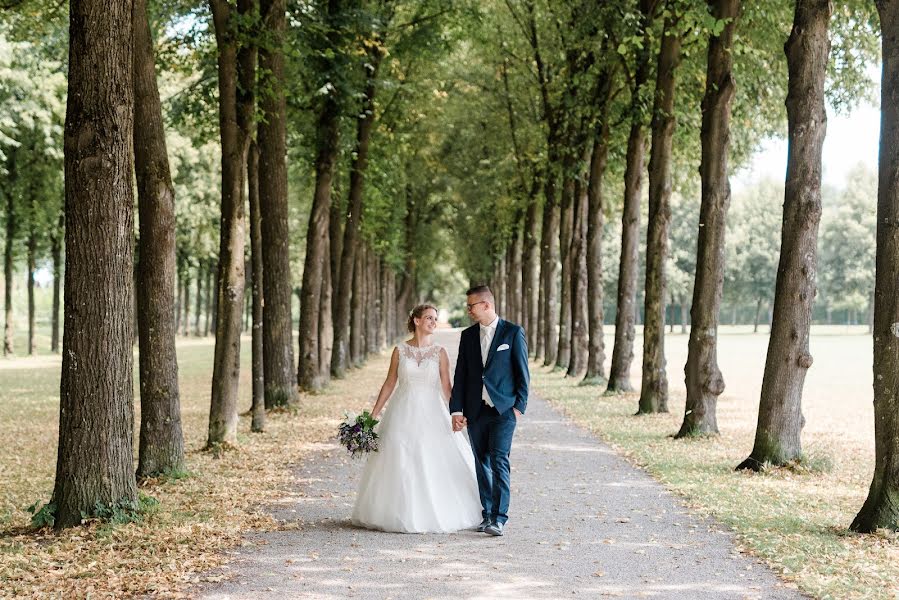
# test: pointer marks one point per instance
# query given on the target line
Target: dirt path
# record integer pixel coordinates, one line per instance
(583, 523)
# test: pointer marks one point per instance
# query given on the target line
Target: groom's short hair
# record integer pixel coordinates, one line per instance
(481, 290)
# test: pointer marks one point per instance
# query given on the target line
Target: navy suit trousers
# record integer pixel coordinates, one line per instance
(491, 440)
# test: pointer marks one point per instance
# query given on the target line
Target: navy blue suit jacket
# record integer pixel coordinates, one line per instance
(505, 375)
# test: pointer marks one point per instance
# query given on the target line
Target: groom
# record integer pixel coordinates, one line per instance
(490, 394)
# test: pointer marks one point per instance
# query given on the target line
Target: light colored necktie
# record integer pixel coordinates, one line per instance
(485, 349)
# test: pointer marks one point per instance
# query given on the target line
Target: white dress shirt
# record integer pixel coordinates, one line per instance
(487, 333)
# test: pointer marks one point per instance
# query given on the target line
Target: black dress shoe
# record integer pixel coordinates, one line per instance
(495, 529)
(484, 524)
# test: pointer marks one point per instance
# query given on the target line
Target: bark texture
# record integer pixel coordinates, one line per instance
(549, 256)
(96, 415)
(703, 377)
(530, 268)
(56, 257)
(881, 508)
(654, 389)
(235, 118)
(579, 346)
(309, 374)
(161, 446)
(257, 272)
(628, 264)
(595, 223)
(566, 235)
(30, 258)
(11, 226)
(277, 323)
(777, 436)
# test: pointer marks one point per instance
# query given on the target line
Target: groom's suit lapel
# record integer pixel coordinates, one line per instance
(494, 343)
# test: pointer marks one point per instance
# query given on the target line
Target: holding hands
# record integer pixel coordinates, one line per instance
(459, 422)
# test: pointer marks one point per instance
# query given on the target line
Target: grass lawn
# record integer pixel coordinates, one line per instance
(795, 520)
(198, 516)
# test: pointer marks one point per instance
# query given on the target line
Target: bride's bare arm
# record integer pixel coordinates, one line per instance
(389, 384)
(444, 375)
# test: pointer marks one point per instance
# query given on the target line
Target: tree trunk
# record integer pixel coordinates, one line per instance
(31, 252)
(595, 224)
(277, 323)
(498, 285)
(703, 377)
(777, 436)
(185, 320)
(309, 376)
(579, 345)
(351, 237)
(56, 254)
(210, 292)
(513, 275)
(325, 323)
(683, 315)
(96, 417)
(198, 305)
(11, 227)
(371, 338)
(654, 389)
(758, 311)
(627, 308)
(384, 303)
(530, 265)
(161, 445)
(257, 272)
(566, 230)
(356, 304)
(236, 107)
(881, 508)
(548, 262)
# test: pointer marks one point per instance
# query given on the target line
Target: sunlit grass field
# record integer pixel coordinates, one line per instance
(796, 520)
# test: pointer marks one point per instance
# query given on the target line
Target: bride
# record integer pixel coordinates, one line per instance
(422, 479)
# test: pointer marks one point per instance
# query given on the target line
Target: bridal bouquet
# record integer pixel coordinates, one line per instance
(357, 433)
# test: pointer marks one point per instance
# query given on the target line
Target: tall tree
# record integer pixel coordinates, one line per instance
(703, 377)
(351, 232)
(579, 344)
(309, 375)
(11, 232)
(628, 266)
(258, 276)
(31, 258)
(881, 508)
(780, 422)
(595, 224)
(236, 105)
(56, 258)
(654, 389)
(161, 446)
(96, 417)
(277, 323)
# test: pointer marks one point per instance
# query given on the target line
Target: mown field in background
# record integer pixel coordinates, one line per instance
(796, 520)
(198, 517)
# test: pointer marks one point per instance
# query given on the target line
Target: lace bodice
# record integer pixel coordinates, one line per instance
(420, 355)
(420, 366)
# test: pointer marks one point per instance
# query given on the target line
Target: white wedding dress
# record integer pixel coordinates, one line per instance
(422, 478)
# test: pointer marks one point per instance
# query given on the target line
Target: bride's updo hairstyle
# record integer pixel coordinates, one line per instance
(417, 313)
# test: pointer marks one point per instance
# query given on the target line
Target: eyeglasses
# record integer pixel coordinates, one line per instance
(470, 306)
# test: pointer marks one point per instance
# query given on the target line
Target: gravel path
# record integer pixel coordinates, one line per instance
(583, 523)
